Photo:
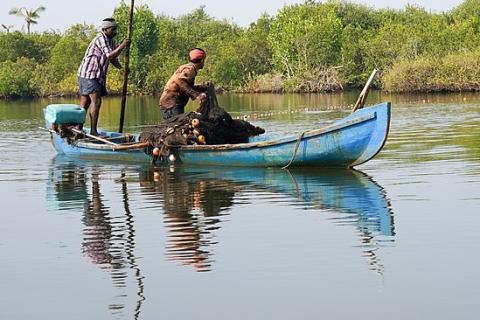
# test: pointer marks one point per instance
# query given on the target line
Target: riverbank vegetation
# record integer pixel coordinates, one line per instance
(308, 47)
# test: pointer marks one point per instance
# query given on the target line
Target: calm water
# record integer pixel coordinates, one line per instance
(397, 239)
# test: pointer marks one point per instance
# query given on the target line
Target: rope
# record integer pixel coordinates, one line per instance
(299, 139)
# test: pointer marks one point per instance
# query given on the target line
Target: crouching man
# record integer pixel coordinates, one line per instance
(181, 86)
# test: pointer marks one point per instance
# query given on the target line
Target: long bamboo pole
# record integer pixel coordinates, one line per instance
(126, 67)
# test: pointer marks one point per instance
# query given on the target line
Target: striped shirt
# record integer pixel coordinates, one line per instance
(95, 62)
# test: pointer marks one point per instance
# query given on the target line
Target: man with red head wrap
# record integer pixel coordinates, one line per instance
(181, 86)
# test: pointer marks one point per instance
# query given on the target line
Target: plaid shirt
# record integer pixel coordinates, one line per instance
(95, 62)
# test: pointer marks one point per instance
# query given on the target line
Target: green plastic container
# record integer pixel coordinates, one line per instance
(64, 114)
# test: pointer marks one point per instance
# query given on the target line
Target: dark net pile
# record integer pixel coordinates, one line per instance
(216, 126)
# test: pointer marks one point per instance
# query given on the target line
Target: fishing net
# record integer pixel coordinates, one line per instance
(210, 125)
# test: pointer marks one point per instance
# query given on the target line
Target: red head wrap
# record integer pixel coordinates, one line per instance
(197, 54)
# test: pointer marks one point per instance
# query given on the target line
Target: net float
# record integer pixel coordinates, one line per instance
(172, 158)
(201, 139)
(195, 123)
(156, 151)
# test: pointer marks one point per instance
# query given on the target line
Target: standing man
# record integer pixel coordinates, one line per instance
(181, 86)
(92, 73)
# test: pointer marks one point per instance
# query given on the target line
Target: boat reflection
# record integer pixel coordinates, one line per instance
(195, 202)
(195, 199)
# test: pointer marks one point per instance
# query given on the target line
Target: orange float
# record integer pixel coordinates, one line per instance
(201, 139)
(196, 123)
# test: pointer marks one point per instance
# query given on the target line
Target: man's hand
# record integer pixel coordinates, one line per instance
(116, 52)
(126, 42)
(202, 97)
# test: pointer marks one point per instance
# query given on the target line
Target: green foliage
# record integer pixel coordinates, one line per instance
(144, 39)
(466, 10)
(307, 47)
(14, 45)
(265, 83)
(252, 51)
(454, 72)
(15, 78)
(161, 68)
(305, 36)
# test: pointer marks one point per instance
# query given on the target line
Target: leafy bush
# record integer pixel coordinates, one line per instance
(272, 83)
(15, 78)
(315, 80)
(454, 72)
(305, 36)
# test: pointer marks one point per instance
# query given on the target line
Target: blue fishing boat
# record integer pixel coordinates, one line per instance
(346, 143)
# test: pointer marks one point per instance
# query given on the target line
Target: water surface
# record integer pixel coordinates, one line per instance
(397, 238)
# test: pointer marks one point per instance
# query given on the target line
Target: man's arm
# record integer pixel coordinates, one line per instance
(112, 55)
(201, 87)
(116, 63)
(186, 77)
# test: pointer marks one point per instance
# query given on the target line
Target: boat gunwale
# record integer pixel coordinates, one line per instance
(249, 145)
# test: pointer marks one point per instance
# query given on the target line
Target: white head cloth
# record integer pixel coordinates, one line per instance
(108, 24)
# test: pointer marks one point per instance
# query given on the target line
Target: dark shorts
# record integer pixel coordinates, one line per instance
(88, 86)
(172, 112)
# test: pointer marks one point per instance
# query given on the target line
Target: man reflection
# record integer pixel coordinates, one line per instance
(191, 208)
(98, 230)
(110, 244)
(105, 242)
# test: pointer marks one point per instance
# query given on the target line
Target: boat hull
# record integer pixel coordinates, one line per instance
(346, 143)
